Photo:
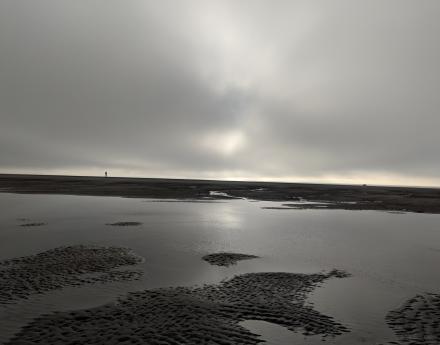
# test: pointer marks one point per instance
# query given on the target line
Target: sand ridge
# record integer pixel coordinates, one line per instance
(64, 266)
(226, 259)
(209, 314)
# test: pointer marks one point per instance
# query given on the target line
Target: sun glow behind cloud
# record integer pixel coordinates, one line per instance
(225, 144)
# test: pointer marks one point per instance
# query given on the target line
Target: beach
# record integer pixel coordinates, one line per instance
(215, 263)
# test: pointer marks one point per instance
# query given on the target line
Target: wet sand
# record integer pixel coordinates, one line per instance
(227, 259)
(179, 315)
(27, 225)
(125, 224)
(23, 277)
(347, 197)
(417, 322)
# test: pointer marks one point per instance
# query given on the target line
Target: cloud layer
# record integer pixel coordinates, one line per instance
(340, 91)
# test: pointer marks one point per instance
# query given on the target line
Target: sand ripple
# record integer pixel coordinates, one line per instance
(63, 266)
(226, 259)
(181, 315)
(417, 321)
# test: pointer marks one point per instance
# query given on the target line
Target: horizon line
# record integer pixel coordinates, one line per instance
(225, 180)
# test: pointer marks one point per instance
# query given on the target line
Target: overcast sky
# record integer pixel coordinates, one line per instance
(333, 91)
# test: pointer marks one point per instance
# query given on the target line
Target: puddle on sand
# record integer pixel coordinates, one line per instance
(274, 334)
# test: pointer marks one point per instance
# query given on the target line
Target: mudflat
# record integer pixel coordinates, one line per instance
(180, 315)
(347, 197)
(22, 277)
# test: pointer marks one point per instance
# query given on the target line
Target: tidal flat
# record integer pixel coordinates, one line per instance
(225, 270)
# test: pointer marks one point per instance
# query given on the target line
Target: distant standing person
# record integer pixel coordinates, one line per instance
(106, 174)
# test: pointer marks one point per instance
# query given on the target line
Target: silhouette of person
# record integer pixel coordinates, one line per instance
(106, 174)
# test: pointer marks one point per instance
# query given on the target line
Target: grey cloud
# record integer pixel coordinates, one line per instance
(221, 88)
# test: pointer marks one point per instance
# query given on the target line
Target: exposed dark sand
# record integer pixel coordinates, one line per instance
(417, 322)
(203, 315)
(348, 197)
(63, 266)
(339, 274)
(33, 224)
(189, 201)
(125, 224)
(226, 259)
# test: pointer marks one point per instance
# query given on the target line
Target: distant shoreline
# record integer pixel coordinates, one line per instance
(218, 180)
(348, 197)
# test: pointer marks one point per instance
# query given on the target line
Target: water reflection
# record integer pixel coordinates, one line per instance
(274, 334)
